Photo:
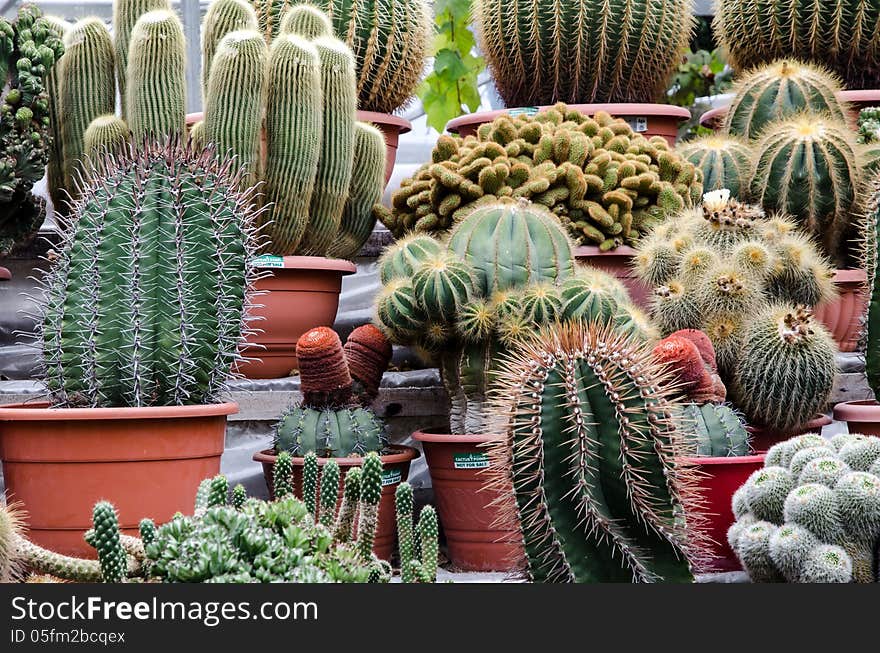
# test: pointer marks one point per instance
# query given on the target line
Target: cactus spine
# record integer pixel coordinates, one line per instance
(125, 14)
(724, 160)
(222, 17)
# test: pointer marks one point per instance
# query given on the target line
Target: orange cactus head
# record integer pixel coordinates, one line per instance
(368, 352)
(323, 370)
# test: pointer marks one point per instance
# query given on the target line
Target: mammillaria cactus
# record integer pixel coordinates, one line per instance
(585, 51)
(371, 494)
(723, 160)
(812, 514)
(111, 555)
(607, 183)
(125, 14)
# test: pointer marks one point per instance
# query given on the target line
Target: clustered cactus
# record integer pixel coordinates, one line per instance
(747, 279)
(29, 50)
(417, 541)
(504, 270)
(812, 514)
(605, 182)
(584, 51)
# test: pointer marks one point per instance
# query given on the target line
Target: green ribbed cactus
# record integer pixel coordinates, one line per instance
(223, 17)
(125, 14)
(307, 21)
(156, 87)
(717, 430)
(778, 91)
(329, 493)
(841, 35)
(582, 52)
(236, 96)
(724, 161)
(105, 135)
(330, 432)
(111, 555)
(590, 465)
(162, 225)
(371, 495)
(351, 496)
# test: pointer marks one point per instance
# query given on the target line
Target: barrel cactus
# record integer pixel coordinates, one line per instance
(180, 229)
(723, 160)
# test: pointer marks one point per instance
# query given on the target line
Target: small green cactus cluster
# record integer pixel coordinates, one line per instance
(29, 50)
(812, 514)
(417, 541)
(505, 269)
(607, 183)
(745, 279)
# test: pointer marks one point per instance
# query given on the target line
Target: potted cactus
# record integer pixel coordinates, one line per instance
(141, 316)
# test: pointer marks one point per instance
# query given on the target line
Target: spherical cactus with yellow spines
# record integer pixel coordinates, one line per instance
(222, 17)
(723, 159)
(105, 135)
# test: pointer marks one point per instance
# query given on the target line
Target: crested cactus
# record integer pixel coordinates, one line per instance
(590, 460)
(724, 161)
(582, 52)
(367, 352)
(125, 14)
(282, 476)
(222, 18)
(186, 232)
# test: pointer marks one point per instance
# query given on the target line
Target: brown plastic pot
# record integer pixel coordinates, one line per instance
(842, 317)
(147, 461)
(474, 539)
(647, 119)
(302, 295)
(764, 437)
(395, 469)
(860, 416)
(618, 263)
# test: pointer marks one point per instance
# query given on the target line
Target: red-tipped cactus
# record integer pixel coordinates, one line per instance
(368, 353)
(323, 371)
(693, 376)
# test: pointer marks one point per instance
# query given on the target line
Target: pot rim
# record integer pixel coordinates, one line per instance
(726, 460)
(615, 109)
(816, 423)
(378, 118)
(437, 435)
(859, 95)
(849, 275)
(863, 410)
(314, 263)
(404, 454)
(41, 411)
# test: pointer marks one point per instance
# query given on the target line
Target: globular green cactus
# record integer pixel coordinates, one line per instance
(223, 17)
(839, 35)
(156, 86)
(724, 161)
(778, 91)
(125, 14)
(821, 514)
(717, 430)
(105, 135)
(351, 496)
(585, 51)
(590, 463)
(329, 432)
(138, 339)
(329, 493)
(111, 555)
(310, 482)
(371, 494)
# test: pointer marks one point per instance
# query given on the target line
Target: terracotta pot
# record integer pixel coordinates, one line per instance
(719, 479)
(763, 437)
(647, 119)
(5, 274)
(860, 416)
(474, 540)
(302, 295)
(395, 469)
(714, 118)
(617, 263)
(147, 461)
(843, 316)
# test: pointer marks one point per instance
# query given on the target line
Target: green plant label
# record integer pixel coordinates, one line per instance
(390, 477)
(523, 111)
(269, 261)
(638, 123)
(470, 460)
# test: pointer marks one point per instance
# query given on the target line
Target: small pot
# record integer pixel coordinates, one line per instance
(395, 469)
(474, 539)
(301, 295)
(646, 119)
(719, 479)
(842, 317)
(860, 416)
(618, 263)
(764, 437)
(147, 461)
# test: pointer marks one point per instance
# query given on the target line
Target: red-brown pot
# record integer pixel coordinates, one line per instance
(301, 295)
(395, 469)
(763, 437)
(474, 540)
(618, 263)
(719, 478)
(147, 461)
(843, 316)
(647, 119)
(860, 416)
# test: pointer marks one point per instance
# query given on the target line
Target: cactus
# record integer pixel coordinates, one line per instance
(156, 87)
(203, 493)
(222, 18)
(417, 543)
(589, 460)
(329, 432)
(351, 497)
(282, 476)
(620, 52)
(218, 492)
(105, 135)
(129, 345)
(778, 91)
(403, 507)
(428, 532)
(125, 14)
(239, 496)
(839, 36)
(111, 555)
(371, 494)
(870, 256)
(310, 482)
(822, 514)
(55, 168)
(367, 352)
(270, 14)
(329, 493)
(306, 21)
(324, 377)
(691, 360)
(717, 430)
(724, 161)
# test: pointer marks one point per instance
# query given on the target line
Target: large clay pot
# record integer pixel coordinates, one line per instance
(860, 416)
(719, 478)
(647, 119)
(843, 316)
(763, 437)
(147, 461)
(474, 539)
(395, 469)
(618, 263)
(301, 293)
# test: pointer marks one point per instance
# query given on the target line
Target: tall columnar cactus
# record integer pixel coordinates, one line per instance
(841, 35)
(125, 14)
(329, 493)
(584, 51)
(156, 87)
(111, 555)
(351, 496)
(871, 258)
(282, 475)
(55, 167)
(590, 463)
(371, 495)
(781, 90)
(310, 482)
(724, 161)
(223, 17)
(415, 539)
(163, 225)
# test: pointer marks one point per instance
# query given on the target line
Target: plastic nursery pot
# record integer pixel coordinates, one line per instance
(719, 478)
(763, 437)
(842, 317)
(860, 416)
(395, 469)
(646, 119)
(147, 461)
(474, 540)
(301, 293)
(391, 127)
(618, 263)
(714, 118)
